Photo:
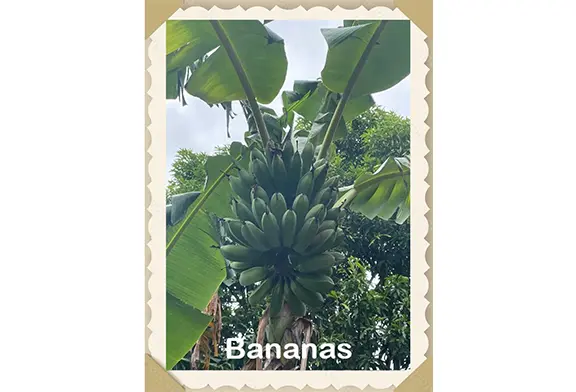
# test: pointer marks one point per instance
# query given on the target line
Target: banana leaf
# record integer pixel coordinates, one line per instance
(386, 65)
(214, 80)
(195, 267)
(309, 95)
(385, 193)
(313, 101)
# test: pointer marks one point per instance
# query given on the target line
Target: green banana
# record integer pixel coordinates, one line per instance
(325, 271)
(258, 209)
(234, 230)
(305, 235)
(307, 157)
(246, 177)
(338, 257)
(287, 153)
(256, 154)
(253, 275)
(311, 298)
(240, 265)
(300, 207)
(317, 282)
(305, 184)
(318, 211)
(323, 241)
(239, 188)
(260, 193)
(317, 263)
(257, 234)
(333, 214)
(261, 291)
(277, 299)
(289, 222)
(279, 172)
(332, 198)
(320, 174)
(294, 172)
(256, 241)
(327, 224)
(278, 206)
(296, 306)
(239, 253)
(339, 237)
(322, 196)
(332, 181)
(243, 212)
(271, 229)
(263, 176)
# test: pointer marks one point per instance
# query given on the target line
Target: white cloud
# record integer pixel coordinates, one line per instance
(201, 128)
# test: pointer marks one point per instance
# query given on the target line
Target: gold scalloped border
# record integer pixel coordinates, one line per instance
(290, 4)
(424, 381)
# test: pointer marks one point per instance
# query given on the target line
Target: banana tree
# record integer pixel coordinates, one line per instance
(283, 221)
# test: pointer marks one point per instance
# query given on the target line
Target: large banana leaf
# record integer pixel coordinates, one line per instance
(313, 101)
(184, 325)
(214, 79)
(176, 210)
(308, 96)
(194, 266)
(388, 61)
(385, 193)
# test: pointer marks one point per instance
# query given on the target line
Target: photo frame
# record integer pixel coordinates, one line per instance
(419, 377)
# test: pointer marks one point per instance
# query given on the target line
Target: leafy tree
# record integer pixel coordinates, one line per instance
(188, 173)
(375, 320)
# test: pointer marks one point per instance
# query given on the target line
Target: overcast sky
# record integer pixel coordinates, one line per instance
(201, 128)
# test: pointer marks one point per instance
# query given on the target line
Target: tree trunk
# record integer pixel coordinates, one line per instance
(282, 329)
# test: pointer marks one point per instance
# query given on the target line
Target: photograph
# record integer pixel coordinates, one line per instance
(287, 193)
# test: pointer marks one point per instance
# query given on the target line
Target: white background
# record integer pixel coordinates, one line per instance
(71, 156)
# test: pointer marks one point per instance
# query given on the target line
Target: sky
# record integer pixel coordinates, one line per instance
(201, 128)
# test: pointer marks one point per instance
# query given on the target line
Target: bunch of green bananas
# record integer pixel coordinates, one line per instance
(285, 228)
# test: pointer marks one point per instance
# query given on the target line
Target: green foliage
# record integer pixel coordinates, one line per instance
(374, 319)
(384, 246)
(372, 137)
(188, 173)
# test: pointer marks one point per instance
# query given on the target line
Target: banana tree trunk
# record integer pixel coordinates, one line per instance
(282, 329)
